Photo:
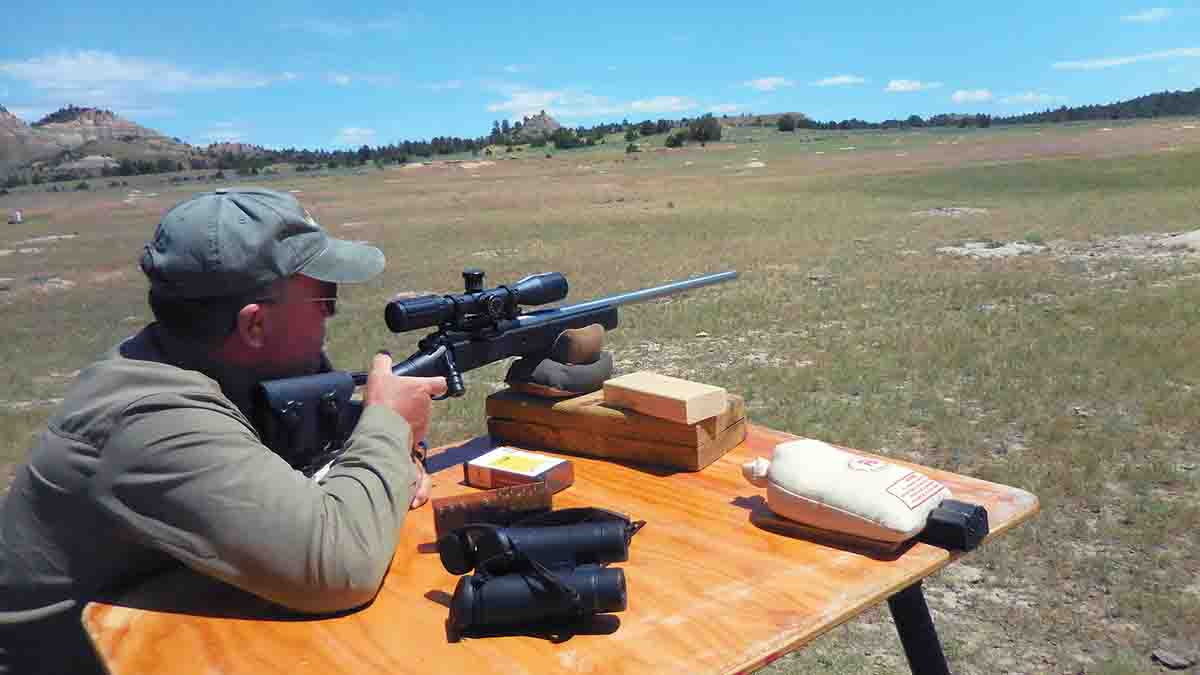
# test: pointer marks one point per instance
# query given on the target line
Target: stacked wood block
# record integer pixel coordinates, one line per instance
(689, 426)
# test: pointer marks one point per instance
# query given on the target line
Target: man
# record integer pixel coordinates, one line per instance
(152, 460)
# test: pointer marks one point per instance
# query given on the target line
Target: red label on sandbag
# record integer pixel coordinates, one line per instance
(866, 464)
(914, 489)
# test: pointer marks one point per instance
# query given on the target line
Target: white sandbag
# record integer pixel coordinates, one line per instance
(818, 485)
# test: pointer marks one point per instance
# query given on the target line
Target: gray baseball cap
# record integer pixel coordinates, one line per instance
(235, 240)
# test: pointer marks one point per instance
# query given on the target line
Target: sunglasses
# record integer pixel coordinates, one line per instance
(327, 303)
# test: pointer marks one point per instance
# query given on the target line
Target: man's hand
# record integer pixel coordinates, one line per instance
(412, 399)
(424, 485)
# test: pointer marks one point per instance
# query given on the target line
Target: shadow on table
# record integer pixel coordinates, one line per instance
(480, 445)
(764, 518)
(555, 633)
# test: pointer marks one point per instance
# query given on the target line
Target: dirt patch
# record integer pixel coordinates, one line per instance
(109, 276)
(952, 211)
(1144, 247)
(26, 405)
(46, 239)
(991, 249)
(496, 253)
(1152, 247)
(51, 284)
(10, 288)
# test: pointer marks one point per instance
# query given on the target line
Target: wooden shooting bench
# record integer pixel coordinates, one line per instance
(709, 591)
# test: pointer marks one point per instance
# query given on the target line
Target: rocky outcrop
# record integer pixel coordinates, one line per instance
(538, 126)
(218, 149)
(72, 127)
(82, 140)
(20, 144)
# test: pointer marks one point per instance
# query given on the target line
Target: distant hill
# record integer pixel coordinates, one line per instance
(85, 141)
(19, 144)
(1152, 105)
(72, 127)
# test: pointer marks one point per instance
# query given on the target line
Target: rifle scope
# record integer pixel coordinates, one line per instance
(476, 308)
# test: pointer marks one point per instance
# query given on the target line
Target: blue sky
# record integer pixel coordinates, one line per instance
(331, 75)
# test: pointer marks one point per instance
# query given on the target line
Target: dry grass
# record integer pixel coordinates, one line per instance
(1069, 372)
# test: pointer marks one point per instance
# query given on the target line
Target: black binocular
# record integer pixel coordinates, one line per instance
(544, 569)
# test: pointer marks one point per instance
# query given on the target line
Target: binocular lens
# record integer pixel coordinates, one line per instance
(518, 598)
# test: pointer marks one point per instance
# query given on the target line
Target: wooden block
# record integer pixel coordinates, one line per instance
(638, 451)
(502, 506)
(508, 466)
(591, 413)
(666, 397)
(586, 425)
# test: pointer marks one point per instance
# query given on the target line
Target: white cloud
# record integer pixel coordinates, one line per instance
(224, 132)
(1112, 62)
(769, 83)
(29, 114)
(521, 101)
(92, 72)
(726, 108)
(839, 81)
(529, 102)
(443, 86)
(347, 79)
(354, 136)
(1032, 98)
(327, 27)
(344, 28)
(910, 85)
(661, 104)
(1152, 15)
(971, 96)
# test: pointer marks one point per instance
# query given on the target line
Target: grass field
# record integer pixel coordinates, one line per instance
(1069, 371)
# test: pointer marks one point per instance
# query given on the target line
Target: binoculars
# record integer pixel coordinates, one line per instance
(549, 568)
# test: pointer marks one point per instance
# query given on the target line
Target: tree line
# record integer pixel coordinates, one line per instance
(1160, 104)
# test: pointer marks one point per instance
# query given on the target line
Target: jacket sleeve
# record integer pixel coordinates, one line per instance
(188, 476)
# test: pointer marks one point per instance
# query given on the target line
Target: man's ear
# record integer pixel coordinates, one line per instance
(251, 330)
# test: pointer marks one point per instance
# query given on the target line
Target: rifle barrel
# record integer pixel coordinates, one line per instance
(656, 292)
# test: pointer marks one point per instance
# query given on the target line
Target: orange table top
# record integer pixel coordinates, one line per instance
(709, 591)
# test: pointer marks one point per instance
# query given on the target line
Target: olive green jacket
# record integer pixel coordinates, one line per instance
(152, 461)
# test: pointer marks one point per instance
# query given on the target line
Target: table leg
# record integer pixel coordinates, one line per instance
(917, 633)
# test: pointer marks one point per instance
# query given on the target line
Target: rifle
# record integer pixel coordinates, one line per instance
(306, 420)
